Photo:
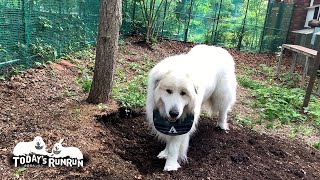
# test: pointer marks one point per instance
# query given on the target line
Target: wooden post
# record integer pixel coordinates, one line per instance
(279, 61)
(311, 81)
(305, 72)
(293, 64)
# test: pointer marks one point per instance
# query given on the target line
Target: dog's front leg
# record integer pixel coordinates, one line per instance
(173, 146)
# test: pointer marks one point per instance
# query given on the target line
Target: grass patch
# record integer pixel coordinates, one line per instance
(244, 121)
(277, 103)
(130, 92)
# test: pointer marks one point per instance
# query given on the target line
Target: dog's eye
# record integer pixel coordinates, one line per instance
(169, 91)
(183, 93)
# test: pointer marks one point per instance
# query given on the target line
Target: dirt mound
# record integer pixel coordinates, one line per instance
(239, 154)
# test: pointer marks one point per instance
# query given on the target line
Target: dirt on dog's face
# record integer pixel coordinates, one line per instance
(175, 96)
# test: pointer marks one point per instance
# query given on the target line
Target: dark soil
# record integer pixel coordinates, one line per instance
(239, 154)
(48, 102)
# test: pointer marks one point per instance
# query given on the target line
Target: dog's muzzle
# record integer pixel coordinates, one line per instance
(56, 152)
(179, 127)
(38, 147)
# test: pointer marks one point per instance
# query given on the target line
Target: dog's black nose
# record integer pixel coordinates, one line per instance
(173, 114)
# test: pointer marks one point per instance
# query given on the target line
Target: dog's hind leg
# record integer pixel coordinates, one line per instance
(222, 119)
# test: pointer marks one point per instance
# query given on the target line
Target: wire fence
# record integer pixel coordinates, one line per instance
(40, 30)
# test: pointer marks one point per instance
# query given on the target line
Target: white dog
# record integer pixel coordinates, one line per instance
(37, 146)
(58, 151)
(181, 84)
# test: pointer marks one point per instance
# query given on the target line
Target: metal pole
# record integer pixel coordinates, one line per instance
(187, 27)
(133, 24)
(25, 14)
(164, 16)
(243, 24)
(217, 23)
(264, 26)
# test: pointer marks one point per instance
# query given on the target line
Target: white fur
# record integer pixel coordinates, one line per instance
(27, 148)
(207, 75)
(72, 152)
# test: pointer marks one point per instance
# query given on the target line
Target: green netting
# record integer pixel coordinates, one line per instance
(37, 30)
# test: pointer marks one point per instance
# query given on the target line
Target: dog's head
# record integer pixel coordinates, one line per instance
(39, 143)
(175, 95)
(57, 147)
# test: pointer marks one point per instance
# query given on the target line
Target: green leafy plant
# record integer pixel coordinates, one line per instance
(76, 112)
(275, 102)
(87, 53)
(289, 80)
(246, 82)
(279, 103)
(245, 122)
(44, 23)
(85, 82)
(314, 110)
(18, 173)
(85, 79)
(68, 93)
(133, 94)
(130, 92)
(17, 69)
(316, 145)
(42, 64)
(293, 133)
(270, 125)
(43, 50)
(268, 72)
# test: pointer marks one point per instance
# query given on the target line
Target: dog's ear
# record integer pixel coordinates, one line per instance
(195, 89)
(156, 83)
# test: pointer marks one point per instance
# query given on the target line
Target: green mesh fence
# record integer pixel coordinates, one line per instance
(39, 30)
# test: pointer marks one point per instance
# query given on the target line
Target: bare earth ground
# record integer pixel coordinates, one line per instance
(36, 103)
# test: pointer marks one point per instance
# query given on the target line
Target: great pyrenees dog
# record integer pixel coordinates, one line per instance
(181, 85)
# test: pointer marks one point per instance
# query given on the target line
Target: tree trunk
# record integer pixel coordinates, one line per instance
(106, 52)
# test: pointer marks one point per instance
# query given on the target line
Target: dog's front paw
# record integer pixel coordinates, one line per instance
(223, 126)
(163, 154)
(172, 166)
